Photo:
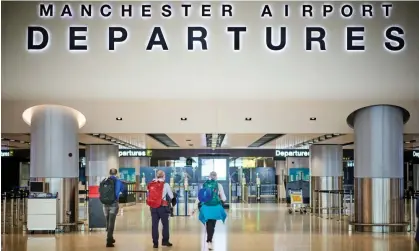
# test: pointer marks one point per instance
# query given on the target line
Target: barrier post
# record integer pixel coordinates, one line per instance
(4, 214)
(340, 205)
(318, 203)
(11, 223)
(177, 208)
(329, 201)
(412, 217)
(18, 211)
(351, 214)
(186, 202)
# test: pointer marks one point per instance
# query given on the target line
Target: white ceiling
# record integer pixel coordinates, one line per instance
(198, 140)
(214, 89)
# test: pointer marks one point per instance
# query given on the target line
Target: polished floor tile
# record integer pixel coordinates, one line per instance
(248, 227)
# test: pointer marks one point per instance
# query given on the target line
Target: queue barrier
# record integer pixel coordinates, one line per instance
(330, 209)
(14, 211)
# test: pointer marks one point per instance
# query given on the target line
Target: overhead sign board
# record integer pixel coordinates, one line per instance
(313, 37)
(135, 153)
(292, 153)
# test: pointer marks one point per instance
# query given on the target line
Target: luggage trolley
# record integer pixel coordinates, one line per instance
(297, 204)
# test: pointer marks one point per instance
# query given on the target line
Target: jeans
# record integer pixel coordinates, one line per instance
(162, 213)
(210, 229)
(110, 212)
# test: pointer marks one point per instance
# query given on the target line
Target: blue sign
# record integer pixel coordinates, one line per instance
(127, 174)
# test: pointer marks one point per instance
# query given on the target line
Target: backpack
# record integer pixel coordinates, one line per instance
(107, 191)
(204, 195)
(155, 194)
(212, 185)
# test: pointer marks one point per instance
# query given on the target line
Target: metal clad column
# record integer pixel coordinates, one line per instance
(99, 160)
(280, 167)
(326, 165)
(55, 154)
(378, 167)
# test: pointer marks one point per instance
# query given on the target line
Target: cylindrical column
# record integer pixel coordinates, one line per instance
(280, 168)
(326, 165)
(55, 154)
(99, 160)
(378, 173)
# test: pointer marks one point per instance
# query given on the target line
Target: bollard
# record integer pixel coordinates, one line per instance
(24, 210)
(4, 215)
(329, 201)
(412, 217)
(186, 202)
(11, 222)
(318, 203)
(351, 214)
(340, 205)
(18, 211)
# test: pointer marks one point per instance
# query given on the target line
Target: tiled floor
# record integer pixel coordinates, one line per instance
(250, 227)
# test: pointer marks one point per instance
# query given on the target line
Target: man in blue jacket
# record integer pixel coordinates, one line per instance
(111, 210)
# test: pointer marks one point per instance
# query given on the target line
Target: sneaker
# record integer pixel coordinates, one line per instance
(110, 245)
(155, 245)
(210, 247)
(167, 244)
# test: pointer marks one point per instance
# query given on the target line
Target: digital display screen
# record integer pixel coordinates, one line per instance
(217, 165)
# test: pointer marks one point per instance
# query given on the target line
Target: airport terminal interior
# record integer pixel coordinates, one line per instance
(310, 121)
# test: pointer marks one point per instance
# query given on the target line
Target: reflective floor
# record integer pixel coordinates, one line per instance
(249, 227)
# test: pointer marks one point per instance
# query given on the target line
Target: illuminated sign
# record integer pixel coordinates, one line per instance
(7, 153)
(248, 163)
(134, 153)
(292, 153)
(274, 38)
(415, 154)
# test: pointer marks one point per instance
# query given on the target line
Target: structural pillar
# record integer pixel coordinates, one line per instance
(378, 174)
(99, 160)
(55, 155)
(326, 165)
(280, 170)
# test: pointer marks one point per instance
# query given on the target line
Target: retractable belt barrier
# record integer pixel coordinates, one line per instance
(330, 208)
(14, 209)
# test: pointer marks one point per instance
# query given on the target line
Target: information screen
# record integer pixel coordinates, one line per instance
(217, 165)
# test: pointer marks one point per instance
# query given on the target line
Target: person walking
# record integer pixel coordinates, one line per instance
(159, 195)
(109, 191)
(211, 210)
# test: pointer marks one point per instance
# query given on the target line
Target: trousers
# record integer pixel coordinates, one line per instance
(110, 212)
(162, 213)
(210, 225)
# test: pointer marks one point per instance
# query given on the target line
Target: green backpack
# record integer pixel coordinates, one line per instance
(213, 186)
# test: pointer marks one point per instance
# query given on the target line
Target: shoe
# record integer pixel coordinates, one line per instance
(167, 244)
(110, 245)
(155, 245)
(210, 247)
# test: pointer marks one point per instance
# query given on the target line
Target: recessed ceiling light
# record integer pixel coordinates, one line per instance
(183, 119)
(313, 119)
(113, 140)
(119, 118)
(12, 140)
(336, 134)
(248, 119)
(22, 141)
(95, 134)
